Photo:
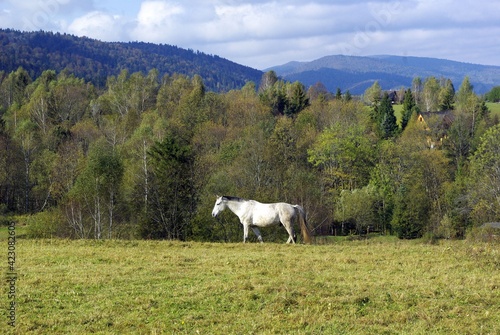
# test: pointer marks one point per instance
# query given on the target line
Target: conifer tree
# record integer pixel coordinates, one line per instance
(384, 118)
(409, 107)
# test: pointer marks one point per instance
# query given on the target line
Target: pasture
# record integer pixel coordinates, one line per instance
(376, 286)
(494, 107)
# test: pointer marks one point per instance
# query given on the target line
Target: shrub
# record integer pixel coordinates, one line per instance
(484, 234)
(44, 224)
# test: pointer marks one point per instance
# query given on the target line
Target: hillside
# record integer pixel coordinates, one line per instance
(356, 73)
(94, 60)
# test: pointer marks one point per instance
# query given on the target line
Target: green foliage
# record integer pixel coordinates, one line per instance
(483, 234)
(465, 93)
(357, 205)
(384, 119)
(373, 94)
(347, 96)
(297, 99)
(96, 61)
(409, 108)
(411, 211)
(338, 94)
(97, 190)
(344, 156)
(46, 224)
(173, 198)
(493, 95)
(446, 96)
(283, 98)
(483, 192)
(145, 155)
(430, 94)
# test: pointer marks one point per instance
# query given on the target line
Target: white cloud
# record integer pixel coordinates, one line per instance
(159, 21)
(263, 33)
(97, 25)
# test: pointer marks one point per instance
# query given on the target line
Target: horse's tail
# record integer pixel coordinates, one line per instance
(306, 234)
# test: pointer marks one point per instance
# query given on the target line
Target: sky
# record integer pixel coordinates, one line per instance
(265, 33)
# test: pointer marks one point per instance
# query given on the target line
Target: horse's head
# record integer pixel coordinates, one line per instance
(220, 205)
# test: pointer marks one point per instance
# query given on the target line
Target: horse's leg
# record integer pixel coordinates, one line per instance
(257, 232)
(245, 232)
(288, 226)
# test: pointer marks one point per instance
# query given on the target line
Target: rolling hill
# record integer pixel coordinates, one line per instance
(356, 73)
(94, 60)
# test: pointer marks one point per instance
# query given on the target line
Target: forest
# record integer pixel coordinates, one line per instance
(146, 155)
(95, 61)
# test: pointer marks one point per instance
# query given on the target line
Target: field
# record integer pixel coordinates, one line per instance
(377, 286)
(494, 108)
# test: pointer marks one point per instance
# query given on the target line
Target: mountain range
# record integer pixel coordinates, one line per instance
(357, 73)
(95, 61)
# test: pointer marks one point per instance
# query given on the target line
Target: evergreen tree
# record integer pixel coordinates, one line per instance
(411, 211)
(338, 95)
(384, 118)
(297, 99)
(347, 96)
(447, 96)
(409, 107)
(172, 199)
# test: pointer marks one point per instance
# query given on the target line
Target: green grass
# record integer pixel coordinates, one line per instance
(494, 108)
(377, 286)
(398, 109)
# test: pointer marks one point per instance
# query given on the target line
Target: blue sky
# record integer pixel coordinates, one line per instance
(265, 33)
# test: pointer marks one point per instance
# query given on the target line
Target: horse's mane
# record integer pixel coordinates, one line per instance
(231, 198)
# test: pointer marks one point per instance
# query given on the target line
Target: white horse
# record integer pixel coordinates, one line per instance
(253, 214)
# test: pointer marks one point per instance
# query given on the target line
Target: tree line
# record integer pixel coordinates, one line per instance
(145, 156)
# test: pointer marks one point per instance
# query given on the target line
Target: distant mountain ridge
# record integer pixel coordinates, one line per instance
(95, 61)
(357, 73)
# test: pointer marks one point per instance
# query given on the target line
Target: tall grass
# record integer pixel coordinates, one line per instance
(357, 287)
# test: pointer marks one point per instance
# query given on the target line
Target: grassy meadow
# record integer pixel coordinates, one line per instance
(494, 108)
(377, 286)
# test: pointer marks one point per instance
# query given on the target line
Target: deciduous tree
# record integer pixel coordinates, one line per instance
(484, 183)
(431, 94)
(373, 94)
(98, 187)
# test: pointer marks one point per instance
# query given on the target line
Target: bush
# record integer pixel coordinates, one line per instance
(5, 220)
(484, 234)
(44, 224)
(446, 228)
